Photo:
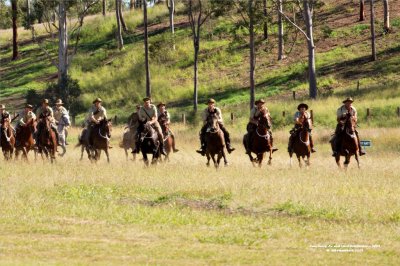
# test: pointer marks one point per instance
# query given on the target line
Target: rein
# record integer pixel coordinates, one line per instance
(266, 136)
(351, 135)
(8, 138)
(307, 142)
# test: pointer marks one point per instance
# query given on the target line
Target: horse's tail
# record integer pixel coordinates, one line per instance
(80, 142)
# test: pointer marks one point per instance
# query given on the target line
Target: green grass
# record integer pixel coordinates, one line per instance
(184, 213)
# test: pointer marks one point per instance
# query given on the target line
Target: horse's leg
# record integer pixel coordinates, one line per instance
(308, 159)
(347, 161)
(358, 161)
(337, 159)
(214, 160)
(270, 156)
(224, 156)
(219, 156)
(208, 158)
(126, 153)
(260, 158)
(290, 160)
(107, 154)
(299, 159)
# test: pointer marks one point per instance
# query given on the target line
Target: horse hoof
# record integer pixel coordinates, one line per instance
(226, 164)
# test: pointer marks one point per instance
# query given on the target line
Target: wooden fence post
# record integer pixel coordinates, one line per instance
(73, 121)
(184, 119)
(368, 113)
(294, 95)
(283, 113)
(115, 120)
(358, 85)
(312, 116)
(232, 117)
(398, 111)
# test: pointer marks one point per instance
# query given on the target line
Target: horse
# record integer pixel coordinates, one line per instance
(47, 140)
(168, 140)
(24, 139)
(215, 142)
(100, 134)
(62, 132)
(7, 139)
(301, 144)
(149, 143)
(348, 142)
(261, 140)
(128, 141)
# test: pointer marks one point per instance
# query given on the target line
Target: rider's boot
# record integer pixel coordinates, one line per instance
(202, 149)
(162, 149)
(248, 138)
(312, 144)
(272, 143)
(174, 149)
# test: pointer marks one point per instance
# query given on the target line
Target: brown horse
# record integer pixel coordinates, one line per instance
(168, 140)
(215, 141)
(7, 139)
(261, 140)
(47, 140)
(128, 141)
(301, 144)
(100, 136)
(348, 142)
(24, 139)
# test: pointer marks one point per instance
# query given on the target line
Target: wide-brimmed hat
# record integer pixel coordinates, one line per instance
(138, 106)
(28, 106)
(348, 99)
(161, 104)
(145, 99)
(45, 101)
(302, 105)
(211, 100)
(97, 100)
(59, 102)
(259, 101)
(2, 106)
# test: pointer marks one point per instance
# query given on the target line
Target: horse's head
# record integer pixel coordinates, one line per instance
(147, 129)
(105, 126)
(263, 120)
(212, 123)
(305, 123)
(350, 123)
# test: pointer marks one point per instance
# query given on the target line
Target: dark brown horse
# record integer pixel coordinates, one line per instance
(7, 139)
(301, 144)
(100, 136)
(47, 140)
(215, 141)
(24, 139)
(149, 143)
(348, 142)
(261, 140)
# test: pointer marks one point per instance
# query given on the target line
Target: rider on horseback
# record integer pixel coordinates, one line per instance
(211, 109)
(96, 114)
(165, 118)
(341, 116)
(4, 115)
(148, 114)
(43, 112)
(255, 114)
(299, 118)
(26, 115)
(59, 112)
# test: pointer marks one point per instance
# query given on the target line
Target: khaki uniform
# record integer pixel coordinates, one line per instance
(59, 112)
(5, 115)
(207, 112)
(342, 111)
(46, 110)
(255, 113)
(298, 115)
(165, 116)
(146, 114)
(26, 117)
(96, 115)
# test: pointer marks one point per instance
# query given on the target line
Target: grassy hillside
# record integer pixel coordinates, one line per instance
(343, 50)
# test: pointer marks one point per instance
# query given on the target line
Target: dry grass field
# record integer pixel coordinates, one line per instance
(183, 213)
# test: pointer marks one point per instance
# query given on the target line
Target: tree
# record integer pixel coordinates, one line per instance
(119, 27)
(14, 11)
(386, 22)
(146, 50)
(198, 12)
(171, 9)
(121, 17)
(265, 26)
(104, 7)
(362, 10)
(131, 4)
(373, 30)
(280, 31)
(308, 10)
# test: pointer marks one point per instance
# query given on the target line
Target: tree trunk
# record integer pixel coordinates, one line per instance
(280, 31)
(362, 10)
(121, 17)
(386, 23)
(171, 9)
(104, 7)
(132, 4)
(196, 44)
(265, 25)
(311, 50)
(252, 54)
(119, 30)
(14, 11)
(146, 50)
(28, 13)
(373, 31)
(62, 44)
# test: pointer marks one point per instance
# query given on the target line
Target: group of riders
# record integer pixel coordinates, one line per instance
(156, 116)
